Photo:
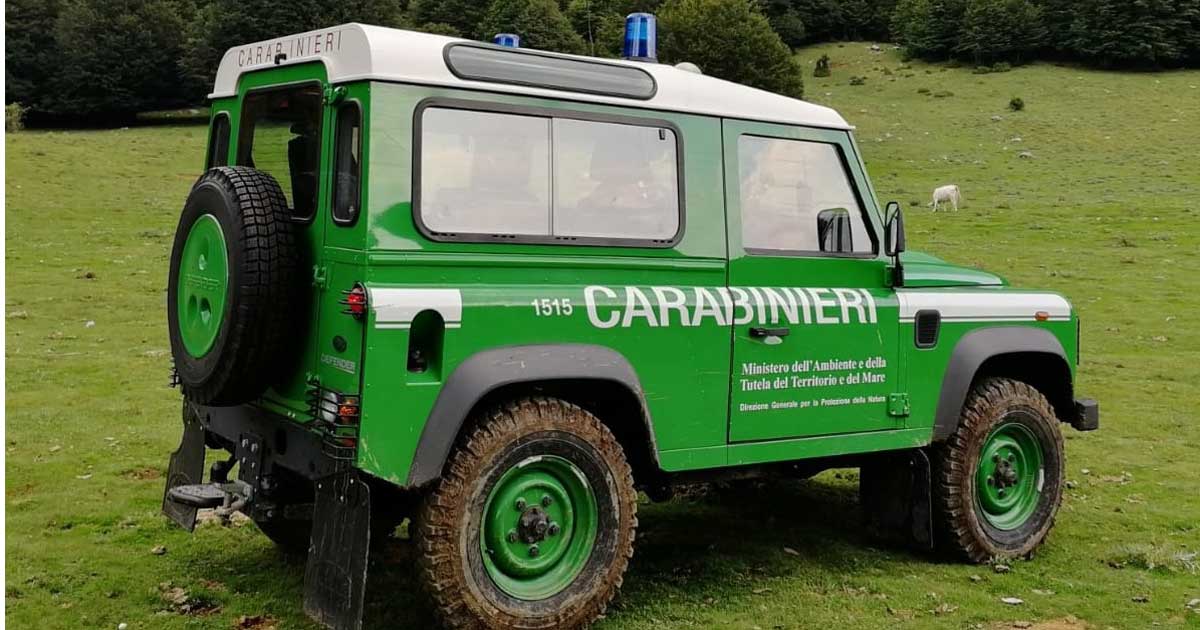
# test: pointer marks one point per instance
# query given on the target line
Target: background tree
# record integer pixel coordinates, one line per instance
(1127, 32)
(462, 15)
(928, 28)
(118, 57)
(540, 24)
(729, 39)
(823, 19)
(30, 49)
(1000, 30)
(785, 20)
(601, 23)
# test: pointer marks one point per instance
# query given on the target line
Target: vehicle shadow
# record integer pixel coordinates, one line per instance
(702, 539)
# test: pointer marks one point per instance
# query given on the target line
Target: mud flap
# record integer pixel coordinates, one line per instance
(335, 579)
(186, 468)
(896, 496)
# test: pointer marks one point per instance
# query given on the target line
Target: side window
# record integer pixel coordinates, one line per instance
(347, 167)
(218, 142)
(280, 134)
(485, 173)
(517, 175)
(797, 197)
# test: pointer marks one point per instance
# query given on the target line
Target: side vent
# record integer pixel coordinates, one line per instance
(928, 324)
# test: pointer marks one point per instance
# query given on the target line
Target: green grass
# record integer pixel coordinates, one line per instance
(1106, 211)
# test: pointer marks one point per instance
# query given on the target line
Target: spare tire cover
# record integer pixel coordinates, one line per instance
(233, 286)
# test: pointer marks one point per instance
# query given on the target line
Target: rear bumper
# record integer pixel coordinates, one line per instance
(1087, 415)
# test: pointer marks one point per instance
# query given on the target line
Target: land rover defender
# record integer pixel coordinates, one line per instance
(499, 291)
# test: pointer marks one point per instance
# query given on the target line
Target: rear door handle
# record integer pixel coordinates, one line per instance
(761, 333)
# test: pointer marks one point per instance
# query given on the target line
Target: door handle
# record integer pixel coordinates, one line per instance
(760, 333)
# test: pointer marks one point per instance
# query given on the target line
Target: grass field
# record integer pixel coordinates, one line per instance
(1105, 211)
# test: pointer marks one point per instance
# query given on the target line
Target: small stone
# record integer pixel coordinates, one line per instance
(1071, 485)
(1025, 155)
(1001, 568)
(1195, 603)
(122, 626)
(997, 118)
(159, 550)
(1085, 471)
(1022, 624)
(56, 448)
(91, 323)
(760, 591)
(1141, 599)
(976, 578)
(1012, 601)
(790, 551)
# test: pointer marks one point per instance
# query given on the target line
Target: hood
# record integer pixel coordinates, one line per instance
(924, 270)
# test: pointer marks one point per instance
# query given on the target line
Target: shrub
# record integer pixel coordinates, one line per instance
(1016, 104)
(858, 80)
(822, 69)
(1001, 66)
(730, 39)
(982, 70)
(14, 117)
(923, 90)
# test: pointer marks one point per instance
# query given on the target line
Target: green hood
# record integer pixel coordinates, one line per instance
(923, 270)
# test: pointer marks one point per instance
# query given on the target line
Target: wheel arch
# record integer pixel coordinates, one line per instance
(1030, 355)
(598, 379)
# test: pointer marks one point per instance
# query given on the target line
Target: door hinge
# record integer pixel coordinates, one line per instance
(898, 405)
(334, 95)
(320, 276)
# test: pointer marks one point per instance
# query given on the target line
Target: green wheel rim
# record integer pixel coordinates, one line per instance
(1010, 476)
(539, 527)
(202, 286)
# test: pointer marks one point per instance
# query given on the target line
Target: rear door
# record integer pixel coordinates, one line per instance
(282, 130)
(815, 322)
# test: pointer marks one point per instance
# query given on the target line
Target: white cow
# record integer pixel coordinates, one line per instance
(947, 194)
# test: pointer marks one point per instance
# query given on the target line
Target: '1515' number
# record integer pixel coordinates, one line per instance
(547, 307)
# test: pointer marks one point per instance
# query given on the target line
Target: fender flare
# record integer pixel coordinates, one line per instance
(489, 370)
(975, 348)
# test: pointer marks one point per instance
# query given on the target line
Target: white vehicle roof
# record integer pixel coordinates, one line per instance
(355, 52)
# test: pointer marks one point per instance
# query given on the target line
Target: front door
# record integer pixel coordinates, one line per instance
(814, 320)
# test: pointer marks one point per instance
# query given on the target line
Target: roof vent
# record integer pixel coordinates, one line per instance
(508, 40)
(641, 37)
(688, 66)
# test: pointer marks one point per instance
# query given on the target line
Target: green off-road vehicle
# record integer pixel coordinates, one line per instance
(499, 292)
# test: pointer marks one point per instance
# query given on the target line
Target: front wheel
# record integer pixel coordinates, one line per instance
(998, 480)
(532, 524)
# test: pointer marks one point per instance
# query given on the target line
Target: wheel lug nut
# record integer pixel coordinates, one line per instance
(534, 551)
(512, 535)
(520, 504)
(546, 500)
(554, 529)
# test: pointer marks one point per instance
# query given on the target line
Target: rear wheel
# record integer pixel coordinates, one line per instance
(998, 479)
(532, 525)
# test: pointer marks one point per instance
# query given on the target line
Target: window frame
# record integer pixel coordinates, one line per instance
(446, 51)
(284, 87)
(863, 210)
(210, 155)
(358, 106)
(548, 113)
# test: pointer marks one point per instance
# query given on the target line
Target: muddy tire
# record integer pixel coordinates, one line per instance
(998, 480)
(233, 287)
(532, 524)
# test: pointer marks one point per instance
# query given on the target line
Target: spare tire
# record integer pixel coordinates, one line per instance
(233, 285)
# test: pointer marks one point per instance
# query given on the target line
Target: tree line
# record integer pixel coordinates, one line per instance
(102, 60)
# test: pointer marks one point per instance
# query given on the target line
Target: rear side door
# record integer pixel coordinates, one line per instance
(815, 323)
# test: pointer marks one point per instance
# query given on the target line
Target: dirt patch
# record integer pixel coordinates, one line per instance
(180, 601)
(145, 473)
(1066, 623)
(256, 622)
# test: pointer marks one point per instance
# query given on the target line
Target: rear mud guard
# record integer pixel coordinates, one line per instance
(335, 578)
(186, 468)
(895, 491)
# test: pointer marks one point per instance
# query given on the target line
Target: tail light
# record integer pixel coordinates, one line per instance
(356, 301)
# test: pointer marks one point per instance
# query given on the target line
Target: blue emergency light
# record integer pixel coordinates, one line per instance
(508, 40)
(641, 37)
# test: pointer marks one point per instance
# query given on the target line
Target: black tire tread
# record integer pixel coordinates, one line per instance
(955, 522)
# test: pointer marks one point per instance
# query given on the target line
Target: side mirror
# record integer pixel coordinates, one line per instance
(833, 228)
(894, 241)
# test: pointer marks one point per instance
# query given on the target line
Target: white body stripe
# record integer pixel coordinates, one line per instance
(396, 308)
(983, 306)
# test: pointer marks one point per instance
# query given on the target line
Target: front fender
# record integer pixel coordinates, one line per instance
(980, 346)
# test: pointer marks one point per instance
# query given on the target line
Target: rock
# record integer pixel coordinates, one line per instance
(1194, 604)
(56, 448)
(1140, 599)
(997, 118)
(122, 626)
(976, 578)
(1025, 155)
(159, 550)
(1022, 624)
(91, 323)
(1012, 601)
(789, 550)
(1001, 568)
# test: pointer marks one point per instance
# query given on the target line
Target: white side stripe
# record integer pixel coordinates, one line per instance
(983, 306)
(396, 308)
